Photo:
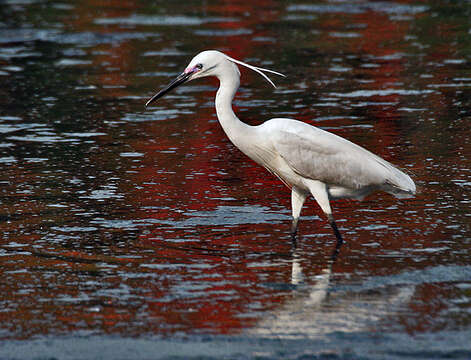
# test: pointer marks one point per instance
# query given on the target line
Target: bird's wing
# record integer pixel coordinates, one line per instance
(319, 155)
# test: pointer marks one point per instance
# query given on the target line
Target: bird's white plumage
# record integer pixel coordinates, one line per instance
(307, 159)
(348, 169)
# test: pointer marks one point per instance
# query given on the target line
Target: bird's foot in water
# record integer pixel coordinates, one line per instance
(294, 239)
(293, 232)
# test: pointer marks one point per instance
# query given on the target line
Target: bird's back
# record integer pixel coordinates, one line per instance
(345, 167)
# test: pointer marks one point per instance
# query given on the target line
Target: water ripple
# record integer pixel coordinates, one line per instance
(362, 7)
(147, 20)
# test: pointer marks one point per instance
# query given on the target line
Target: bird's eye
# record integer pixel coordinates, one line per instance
(199, 66)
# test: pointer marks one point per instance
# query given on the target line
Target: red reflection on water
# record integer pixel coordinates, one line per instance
(219, 277)
(203, 192)
(231, 285)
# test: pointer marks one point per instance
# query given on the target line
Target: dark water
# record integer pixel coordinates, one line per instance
(134, 233)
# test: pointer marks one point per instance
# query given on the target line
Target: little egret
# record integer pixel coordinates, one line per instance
(305, 158)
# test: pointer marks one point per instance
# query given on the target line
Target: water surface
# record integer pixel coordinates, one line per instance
(128, 231)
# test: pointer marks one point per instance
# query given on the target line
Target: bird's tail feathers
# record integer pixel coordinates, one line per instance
(403, 191)
(396, 182)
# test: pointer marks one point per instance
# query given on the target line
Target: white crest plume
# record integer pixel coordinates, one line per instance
(256, 69)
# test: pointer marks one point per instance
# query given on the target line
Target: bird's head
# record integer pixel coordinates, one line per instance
(209, 63)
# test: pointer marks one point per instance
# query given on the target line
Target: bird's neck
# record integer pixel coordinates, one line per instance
(232, 126)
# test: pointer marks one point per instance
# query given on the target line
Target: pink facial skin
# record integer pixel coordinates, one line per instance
(189, 70)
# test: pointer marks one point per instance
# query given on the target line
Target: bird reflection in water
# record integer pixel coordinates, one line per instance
(318, 308)
(319, 291)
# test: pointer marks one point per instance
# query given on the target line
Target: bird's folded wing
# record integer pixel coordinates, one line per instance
(320, 155)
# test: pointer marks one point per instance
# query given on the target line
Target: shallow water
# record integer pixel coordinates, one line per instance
(127, 232)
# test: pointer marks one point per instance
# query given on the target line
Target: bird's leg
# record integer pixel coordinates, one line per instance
(294, 230)
(297, 200)
(336, 231)
(294, 226)
(319, 191)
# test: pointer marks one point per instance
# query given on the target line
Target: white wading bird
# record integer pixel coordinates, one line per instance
(307, 159)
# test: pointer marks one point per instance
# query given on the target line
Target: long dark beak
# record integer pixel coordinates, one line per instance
(183, 77)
